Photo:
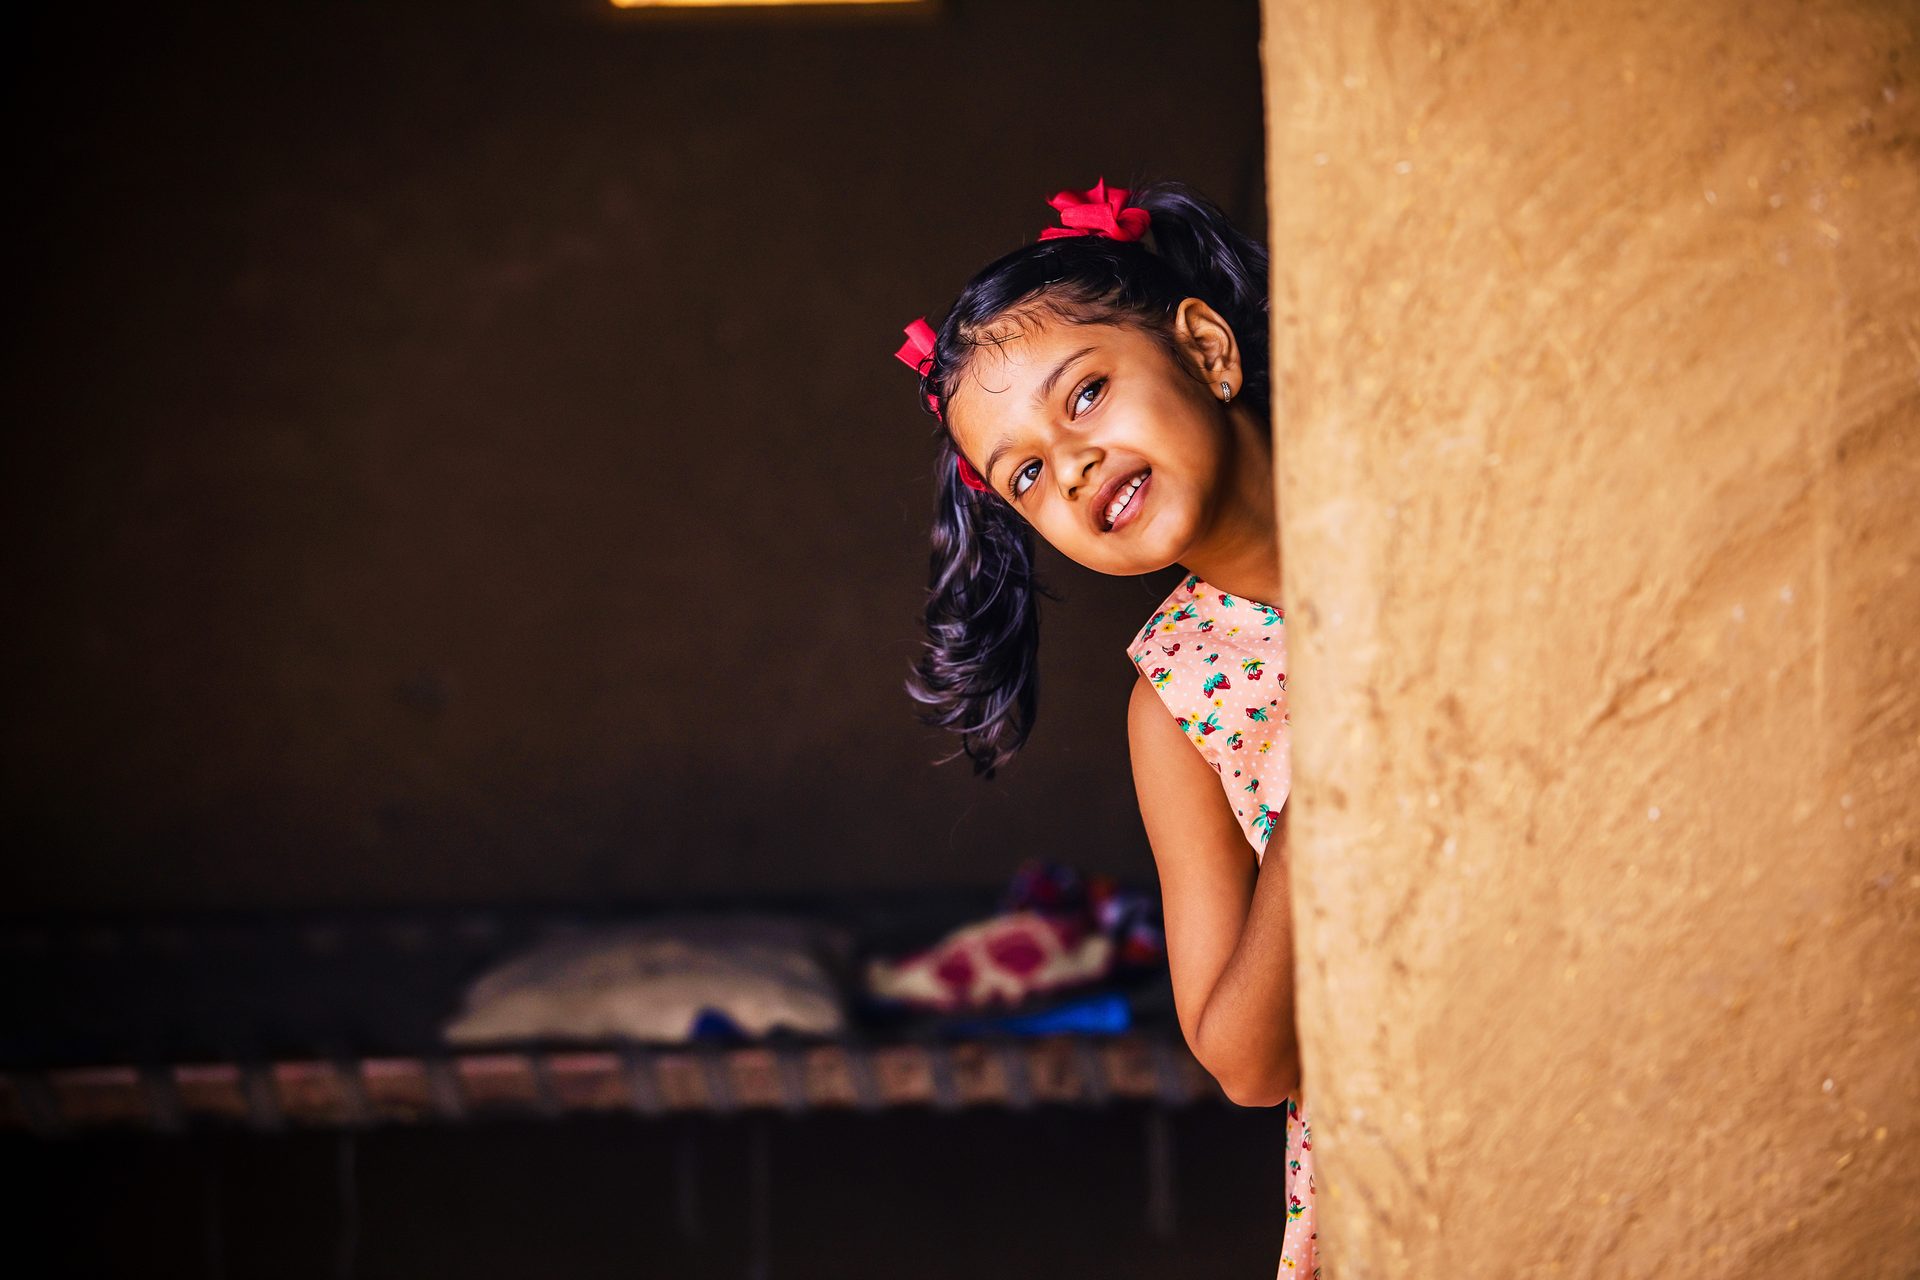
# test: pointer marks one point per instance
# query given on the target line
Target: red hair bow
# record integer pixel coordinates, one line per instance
(1100, 212)
(917, 354)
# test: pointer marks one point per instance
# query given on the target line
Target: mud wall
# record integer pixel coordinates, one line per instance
(1599, 402)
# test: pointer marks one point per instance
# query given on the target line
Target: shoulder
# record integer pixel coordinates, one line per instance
(1177, 787)
(1144, 707)
(1155, 739)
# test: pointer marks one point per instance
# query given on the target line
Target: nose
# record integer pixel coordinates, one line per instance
(1075, 458)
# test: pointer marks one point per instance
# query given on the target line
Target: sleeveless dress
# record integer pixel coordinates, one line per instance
(1219, 663)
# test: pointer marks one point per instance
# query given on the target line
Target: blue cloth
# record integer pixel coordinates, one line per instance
(1105, 1014)
(714, 1024)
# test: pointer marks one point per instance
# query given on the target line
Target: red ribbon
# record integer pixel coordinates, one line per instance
(917, 354)
(1101, 211)
(968, 476)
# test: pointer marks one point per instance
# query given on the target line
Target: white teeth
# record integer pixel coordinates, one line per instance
(1125, 496)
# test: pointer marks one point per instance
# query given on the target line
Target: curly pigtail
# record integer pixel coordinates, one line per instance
(978, 674)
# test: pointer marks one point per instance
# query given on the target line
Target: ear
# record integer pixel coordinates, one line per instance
(1207, 340)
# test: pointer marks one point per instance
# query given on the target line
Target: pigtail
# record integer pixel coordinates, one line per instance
(1227, 267)
(978, 674)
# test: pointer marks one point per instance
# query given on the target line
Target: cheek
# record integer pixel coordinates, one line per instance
(1064, 532)
(1194, 439)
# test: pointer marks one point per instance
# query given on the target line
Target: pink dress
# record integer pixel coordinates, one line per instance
(1219, 662)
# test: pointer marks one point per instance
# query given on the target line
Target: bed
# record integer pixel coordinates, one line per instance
(271, 1021)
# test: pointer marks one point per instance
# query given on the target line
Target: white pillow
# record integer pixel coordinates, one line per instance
(650, 981)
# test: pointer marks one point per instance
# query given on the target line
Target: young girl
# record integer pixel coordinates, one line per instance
(1107, 388)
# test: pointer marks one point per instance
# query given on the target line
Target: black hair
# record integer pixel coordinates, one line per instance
(977, 673)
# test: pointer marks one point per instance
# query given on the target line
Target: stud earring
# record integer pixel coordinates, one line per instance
(1226, 392)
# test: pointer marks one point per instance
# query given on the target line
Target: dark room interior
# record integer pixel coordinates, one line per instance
(460, 492)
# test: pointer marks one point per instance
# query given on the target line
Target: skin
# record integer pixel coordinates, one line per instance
(1123, 405)
(1048, 438)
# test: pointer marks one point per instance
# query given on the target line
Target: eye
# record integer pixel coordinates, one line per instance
(1023, 479)
(1081, 401)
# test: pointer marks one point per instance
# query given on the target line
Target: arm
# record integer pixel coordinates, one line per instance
(1229, 923)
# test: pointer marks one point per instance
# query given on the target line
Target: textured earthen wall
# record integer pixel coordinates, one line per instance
(1599, 410)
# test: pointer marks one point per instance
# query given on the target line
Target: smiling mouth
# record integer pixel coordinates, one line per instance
(1123, 501)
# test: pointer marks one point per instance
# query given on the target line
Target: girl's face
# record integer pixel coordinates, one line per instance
(1114, 449)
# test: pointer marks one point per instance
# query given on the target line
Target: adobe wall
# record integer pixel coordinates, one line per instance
(1598, 394)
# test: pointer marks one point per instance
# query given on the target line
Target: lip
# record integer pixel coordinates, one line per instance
(1110, 489)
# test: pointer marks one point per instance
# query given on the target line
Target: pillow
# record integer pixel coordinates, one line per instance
(654, 980)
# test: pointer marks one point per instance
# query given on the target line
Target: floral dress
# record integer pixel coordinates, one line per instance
(1219, 662)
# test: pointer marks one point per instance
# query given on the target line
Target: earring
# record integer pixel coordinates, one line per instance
(1226, 392)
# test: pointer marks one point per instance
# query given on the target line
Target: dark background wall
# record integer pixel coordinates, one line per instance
(457, 455)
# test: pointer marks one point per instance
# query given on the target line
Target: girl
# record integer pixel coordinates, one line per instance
(1107, 388)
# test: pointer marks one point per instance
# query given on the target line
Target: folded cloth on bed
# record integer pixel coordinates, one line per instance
(1056, 930)
(998, 961)
(654, 981)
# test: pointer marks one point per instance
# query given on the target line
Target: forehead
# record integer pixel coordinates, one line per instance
(1009, 364)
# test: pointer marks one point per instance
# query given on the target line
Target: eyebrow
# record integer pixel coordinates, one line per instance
(1046, 386)
(1039, 397)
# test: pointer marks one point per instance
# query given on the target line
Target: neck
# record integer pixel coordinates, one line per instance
(1239, 553)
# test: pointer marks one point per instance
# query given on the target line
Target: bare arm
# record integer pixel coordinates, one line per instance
(1229, 922)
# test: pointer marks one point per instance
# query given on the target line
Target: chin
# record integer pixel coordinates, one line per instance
(1152, 550)
(1147, 547)
(1128, 562)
